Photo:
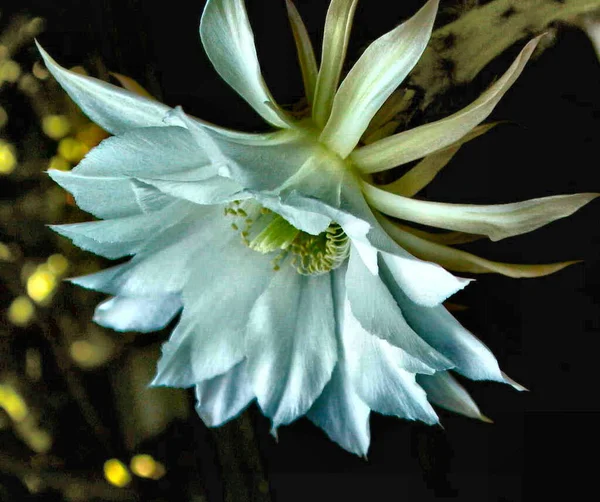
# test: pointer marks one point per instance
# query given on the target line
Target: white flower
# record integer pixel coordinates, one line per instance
(308, 304)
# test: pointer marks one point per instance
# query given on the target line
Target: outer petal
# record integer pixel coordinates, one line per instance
(376, 372)
(461, 261)
(113, 108)
(335, 42)
(218, 299)
(411, 183)
(228, 40)
(378, 72)
(342, 414)
(497, 221)
(290, 344)
(378, 313)
(143, 314)
(443, 390)
(223, 397)
(420, 141)
(306, 54)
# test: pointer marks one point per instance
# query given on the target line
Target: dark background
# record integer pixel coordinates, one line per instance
(544, 332)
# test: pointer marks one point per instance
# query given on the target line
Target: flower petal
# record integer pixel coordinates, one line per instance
(376, 371)
(335, 43)
(342, 414)
(444, 391)
(112, 108)
(306, 54)
(119, 237)
(417, 178)
(147, 153)
(164, 265)
(444, 333)
(126, 313)
(104, 197)
(229, 43)
(378, 313)
(461, 261)
(497, 221)
(215, 190)
(420, 141)
(290, 344)
(223, 397)
(209, 340)
(379, 71)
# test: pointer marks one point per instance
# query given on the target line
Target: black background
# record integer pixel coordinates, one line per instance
(544, 332)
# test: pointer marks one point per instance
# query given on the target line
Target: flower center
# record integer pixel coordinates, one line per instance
(267, 232)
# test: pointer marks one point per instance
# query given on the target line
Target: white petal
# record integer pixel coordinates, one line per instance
(215, 190)
(104, 197)
(209, 339)
(379, 71)
(416, 143)
(224, 397)
(290, 344)
(164, 265)
(112, 108)
(444, 391)
(342, 414)
(150, 152)
(443, 332)
(378, 313)
(376, 371)
(497, 221)
(424, 282)
(143, 314)
(229, 43)
(119, 237)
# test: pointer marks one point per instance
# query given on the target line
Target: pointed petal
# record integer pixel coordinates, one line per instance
(378, 72)
(444, 333)
(375, 309)
(147, 153)
(164, 265)
(290, 344)
(461, 261)
(306, 54)
(209, 340)
(421, 141)
(224, 397)
(104, 197)
(143, 314)
(338, 24)
(342, 414)
(497, 221)
(229, 43)
(112, 108)
(445, 238)
(376, 371)
(411, 183)
(444, 391)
